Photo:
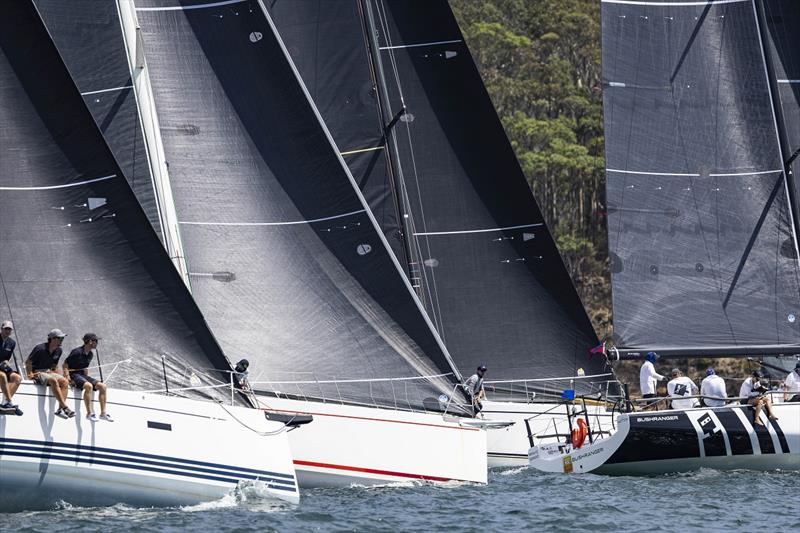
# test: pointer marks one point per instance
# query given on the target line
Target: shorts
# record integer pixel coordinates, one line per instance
(42, 377)
(78, 380)
(7, 370)
(647, 396)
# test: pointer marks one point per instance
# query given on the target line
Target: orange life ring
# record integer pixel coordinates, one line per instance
(579, 433)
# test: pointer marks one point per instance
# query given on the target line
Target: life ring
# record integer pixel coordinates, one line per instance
(579, 434)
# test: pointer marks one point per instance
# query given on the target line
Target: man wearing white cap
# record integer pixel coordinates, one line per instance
(9, 378)
(42, 365)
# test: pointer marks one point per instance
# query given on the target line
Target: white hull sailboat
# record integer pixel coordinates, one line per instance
(159, 451)
(349, 444)
(658, 442)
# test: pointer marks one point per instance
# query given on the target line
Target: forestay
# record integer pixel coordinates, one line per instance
(480, 256)
(703, 251)
(78, 252)
(284, 259)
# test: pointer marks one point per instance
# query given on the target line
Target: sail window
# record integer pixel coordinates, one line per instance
(363, 249)
(256, 36)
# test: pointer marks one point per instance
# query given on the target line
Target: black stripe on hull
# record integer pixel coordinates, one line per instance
(738, 435)
(781, 436)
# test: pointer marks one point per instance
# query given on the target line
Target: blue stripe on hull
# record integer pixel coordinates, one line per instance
(86, 454)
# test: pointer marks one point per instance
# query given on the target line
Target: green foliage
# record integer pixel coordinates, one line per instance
(540, 61)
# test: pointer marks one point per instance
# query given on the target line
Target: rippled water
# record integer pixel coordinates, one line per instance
(515, 500)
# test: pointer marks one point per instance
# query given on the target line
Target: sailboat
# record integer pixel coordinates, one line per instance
(397, 86)
(283, 256)
(80, 254)
(702, 226)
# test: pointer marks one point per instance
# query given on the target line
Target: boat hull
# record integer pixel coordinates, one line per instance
(509, 446)
(660, 442)
(159, 451)
(351, 445)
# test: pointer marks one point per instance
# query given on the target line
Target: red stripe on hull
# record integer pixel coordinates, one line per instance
(373, 471)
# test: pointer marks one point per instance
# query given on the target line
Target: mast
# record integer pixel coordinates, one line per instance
(376, 71)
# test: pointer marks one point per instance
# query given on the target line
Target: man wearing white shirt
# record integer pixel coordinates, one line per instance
(712, 389)
(648, 377)
(754, 390)
(680, 386)
(792, 385)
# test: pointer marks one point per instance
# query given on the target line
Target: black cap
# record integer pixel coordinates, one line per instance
(482, 368)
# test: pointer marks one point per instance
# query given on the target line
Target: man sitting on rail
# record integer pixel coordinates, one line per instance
(75, 369)
(791, 385)
(9, 378)
(42, 364)
(754, 390)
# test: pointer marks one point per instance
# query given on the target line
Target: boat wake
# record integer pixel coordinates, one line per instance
(255, 495)
(512, 471)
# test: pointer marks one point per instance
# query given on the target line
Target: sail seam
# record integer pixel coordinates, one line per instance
(487, 230)
(65, 186)
(288, 223)
(694, 175)
(432, 43)
(193, 6)
(87, 93)
(672, 4)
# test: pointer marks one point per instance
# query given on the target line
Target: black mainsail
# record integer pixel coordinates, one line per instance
(78, 252)
(701, 234)
(478, 251)
(284, 258)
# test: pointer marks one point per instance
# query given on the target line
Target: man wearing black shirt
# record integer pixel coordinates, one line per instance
(9, 378)
(75, 369)
(42, 364)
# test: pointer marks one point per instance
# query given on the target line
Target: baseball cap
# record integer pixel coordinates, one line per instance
(90, 337)
(56, 333)
(710, 371)
(675, 371)
(482, 367)
(7, 324)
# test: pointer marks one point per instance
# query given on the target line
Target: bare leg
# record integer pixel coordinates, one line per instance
(770, 414)
(4, 386)
(15, 380)
(87, 397)
(101, 387)
(759, 405)
(58, 391)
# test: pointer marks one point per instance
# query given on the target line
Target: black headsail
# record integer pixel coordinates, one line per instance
(703, 247)
(483, 261)
(78, 252)
(89, 38)
(284, 259)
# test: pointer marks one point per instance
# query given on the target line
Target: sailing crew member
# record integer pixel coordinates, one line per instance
(474, 388)
(75, 370)
(754, 390)
(241, 375)
(9, 378)
(680, 386)
(792, 385)
(712, 389)
(42, 364)
(649, 378)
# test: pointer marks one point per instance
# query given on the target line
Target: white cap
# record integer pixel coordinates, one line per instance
(56, 333)
(7, 324)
